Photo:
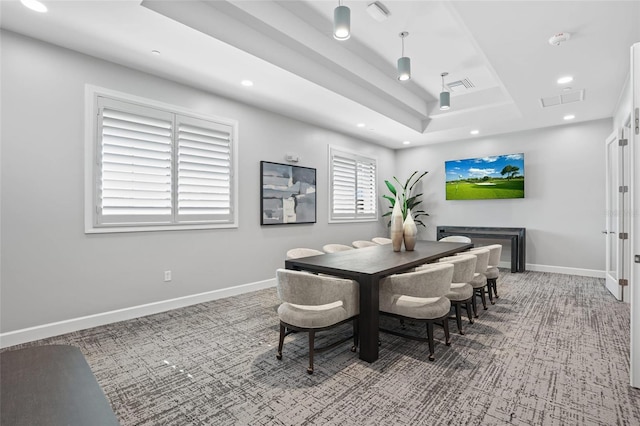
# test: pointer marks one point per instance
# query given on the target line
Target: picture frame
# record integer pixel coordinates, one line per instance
(485, 178)
(287, 194)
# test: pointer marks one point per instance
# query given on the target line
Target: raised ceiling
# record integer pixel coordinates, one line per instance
(286, 48)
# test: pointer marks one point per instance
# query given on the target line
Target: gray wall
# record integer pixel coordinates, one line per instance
(52, 271)
(563, 208)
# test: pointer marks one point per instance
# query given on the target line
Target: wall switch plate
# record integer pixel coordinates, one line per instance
(167, 276)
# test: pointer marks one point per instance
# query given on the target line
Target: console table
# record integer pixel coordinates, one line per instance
(516, 235)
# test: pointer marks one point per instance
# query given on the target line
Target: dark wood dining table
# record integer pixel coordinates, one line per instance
(367, 266)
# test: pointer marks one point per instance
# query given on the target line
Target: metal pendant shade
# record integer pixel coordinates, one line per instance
(404, 63)
(404, 68)
(445, 97)
(445, 101)
(341, 23)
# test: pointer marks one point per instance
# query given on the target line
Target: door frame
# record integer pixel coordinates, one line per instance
(615, 215)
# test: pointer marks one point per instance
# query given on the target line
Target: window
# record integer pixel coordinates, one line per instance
(157, 167)
(353, 186)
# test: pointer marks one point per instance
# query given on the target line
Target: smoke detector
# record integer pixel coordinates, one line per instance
(556, 39)
(378, 11)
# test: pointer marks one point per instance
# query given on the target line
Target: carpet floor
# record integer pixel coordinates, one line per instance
(553, 350)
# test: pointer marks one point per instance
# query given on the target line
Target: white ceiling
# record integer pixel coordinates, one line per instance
(286, 48)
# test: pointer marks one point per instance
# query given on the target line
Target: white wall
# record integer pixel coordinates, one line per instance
(51, 271)
(563, 208)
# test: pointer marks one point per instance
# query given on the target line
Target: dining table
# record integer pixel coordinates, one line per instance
(367, 266)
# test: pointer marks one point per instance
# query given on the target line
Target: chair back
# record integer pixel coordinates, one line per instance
(302, 288)
(495, 251)
(381, 240)
(464, 267)
(431, 281)
(363, 243)
(299, 252)
(455, 239)
(482, 262)
(333, 248)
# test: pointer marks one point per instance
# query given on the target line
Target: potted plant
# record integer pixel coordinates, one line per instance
(405, 197)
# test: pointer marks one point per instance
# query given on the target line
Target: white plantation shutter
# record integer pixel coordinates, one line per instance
(353, 186)
(158, 168)
(204, 170)
(343, 178)
(135, 159)
(366, 199)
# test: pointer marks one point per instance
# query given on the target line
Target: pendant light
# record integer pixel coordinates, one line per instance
(445, 98)
(404, 63)
(341, 22)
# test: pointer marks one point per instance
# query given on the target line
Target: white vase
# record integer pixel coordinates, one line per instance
(397, 227)
(410, 232)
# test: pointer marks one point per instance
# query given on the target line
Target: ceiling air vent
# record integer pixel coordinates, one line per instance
(565, 98)
(460, 85)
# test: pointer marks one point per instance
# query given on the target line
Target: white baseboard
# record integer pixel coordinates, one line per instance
(30, 334)
(558, 270)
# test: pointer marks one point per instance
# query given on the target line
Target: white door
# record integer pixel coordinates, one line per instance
(615, 231)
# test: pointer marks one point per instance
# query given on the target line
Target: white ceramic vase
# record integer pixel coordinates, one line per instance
(410, 232)
(397, 227)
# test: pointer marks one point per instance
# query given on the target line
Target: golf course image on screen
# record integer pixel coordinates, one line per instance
(499, 176)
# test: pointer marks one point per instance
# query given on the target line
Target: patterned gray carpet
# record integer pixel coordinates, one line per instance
(554, 350)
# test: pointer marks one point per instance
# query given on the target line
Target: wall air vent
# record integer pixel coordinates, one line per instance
(460, 85)
(565, 98)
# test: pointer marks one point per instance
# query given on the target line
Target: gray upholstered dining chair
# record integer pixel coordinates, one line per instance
(333, 248)
(456, 239)
(479, 281)
(313, 303)
(381, 240)
(297, 253)
(461, 292)
(363, 243)
(419, 296)
(495, 251)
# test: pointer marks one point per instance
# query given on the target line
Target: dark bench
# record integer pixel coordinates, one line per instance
(517, 236)
(51, 385)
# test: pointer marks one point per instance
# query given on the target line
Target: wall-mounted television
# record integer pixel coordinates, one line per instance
(498, 176)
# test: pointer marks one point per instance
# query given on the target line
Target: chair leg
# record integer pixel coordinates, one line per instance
(458, 317)
(430, 339)
(493, 285)
(445, 326)
(484, 298)
(356, 336)
(281, 341)
(474, 304)
(469, 314)
(488, 287)
(312, 335)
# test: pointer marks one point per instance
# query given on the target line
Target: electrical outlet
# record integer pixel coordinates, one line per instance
(167, 276)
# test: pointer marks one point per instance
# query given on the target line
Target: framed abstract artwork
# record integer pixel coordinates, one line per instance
(287, 194)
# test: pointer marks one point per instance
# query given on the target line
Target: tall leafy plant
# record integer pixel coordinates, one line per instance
(404, 193)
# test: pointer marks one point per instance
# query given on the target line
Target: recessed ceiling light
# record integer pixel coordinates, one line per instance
(565, 80)
(474, 132)
(361, 125)
(247, 83)
(406, 142)
(569, 117)
(156, 52)
(34, 5)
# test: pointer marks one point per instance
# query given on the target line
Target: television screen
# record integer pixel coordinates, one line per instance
(500, 176)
